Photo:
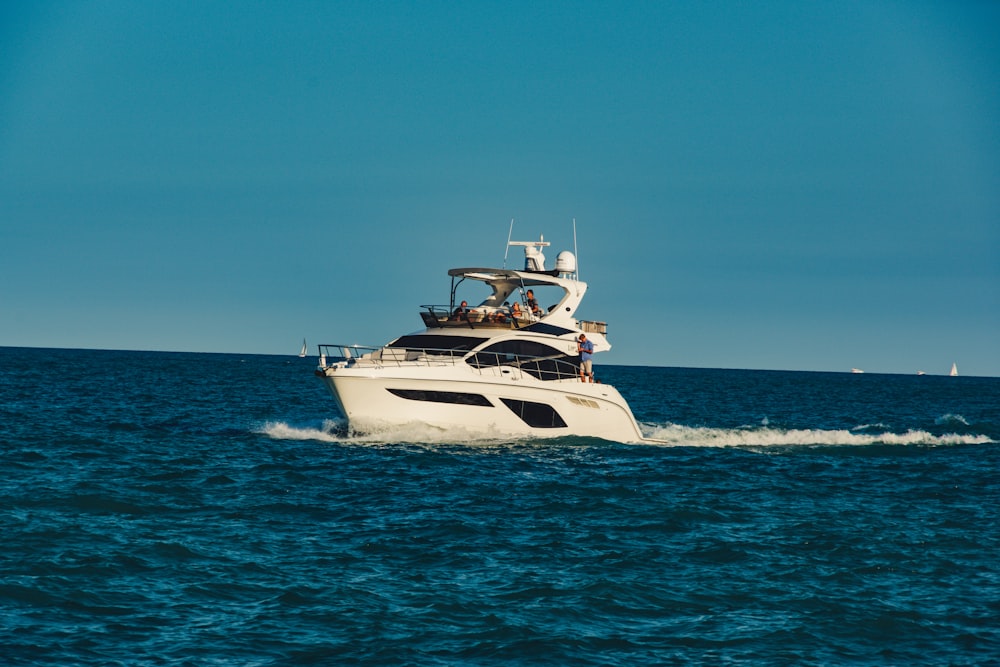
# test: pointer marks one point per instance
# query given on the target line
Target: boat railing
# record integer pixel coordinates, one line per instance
(331, 354)
(435, 316)
(593, 326)
(558, 367)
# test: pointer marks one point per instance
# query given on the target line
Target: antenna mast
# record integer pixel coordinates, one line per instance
(507, 249)
(575, 252)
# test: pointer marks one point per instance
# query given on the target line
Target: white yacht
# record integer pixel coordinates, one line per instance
(504, 367)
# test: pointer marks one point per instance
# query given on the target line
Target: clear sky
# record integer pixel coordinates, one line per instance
(782, 185)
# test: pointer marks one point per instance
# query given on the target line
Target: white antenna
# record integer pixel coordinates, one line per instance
(507, 249)
(575, 252)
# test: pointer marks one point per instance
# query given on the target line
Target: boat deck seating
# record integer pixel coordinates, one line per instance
(434, 319)
(395, 354)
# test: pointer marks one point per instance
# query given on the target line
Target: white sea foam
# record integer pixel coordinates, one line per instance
(336, 431)
(415, 432)
(688, 436)
(331, 431)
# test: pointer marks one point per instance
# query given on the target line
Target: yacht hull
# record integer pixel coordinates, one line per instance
(507, 367)
(493, 402)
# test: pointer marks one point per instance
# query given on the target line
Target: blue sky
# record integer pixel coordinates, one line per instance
(784, 185)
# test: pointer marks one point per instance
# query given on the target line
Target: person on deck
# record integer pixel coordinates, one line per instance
(586, 350)
(462, 312)
(532, 304)
(515, 310)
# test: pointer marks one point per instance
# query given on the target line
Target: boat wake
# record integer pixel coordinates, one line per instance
(330, 431)
(336, 431)
(688, 436)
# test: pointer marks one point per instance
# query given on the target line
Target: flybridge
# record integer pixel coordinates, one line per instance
(519, 297)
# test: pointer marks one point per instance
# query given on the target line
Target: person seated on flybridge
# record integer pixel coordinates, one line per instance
(515, 310)
(462, 312)
(586, 350)
(500, 315)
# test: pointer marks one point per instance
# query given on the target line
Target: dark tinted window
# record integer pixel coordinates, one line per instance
(535, 415)
(543, 328)
(456, 397)
(433, 342)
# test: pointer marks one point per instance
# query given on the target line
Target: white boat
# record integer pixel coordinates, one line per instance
(857, 370)
(304, 349)
(954, 370)
(487, 372)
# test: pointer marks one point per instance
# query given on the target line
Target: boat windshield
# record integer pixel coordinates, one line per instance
(441, 344)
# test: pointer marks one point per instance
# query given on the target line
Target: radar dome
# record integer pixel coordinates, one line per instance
(566, 262)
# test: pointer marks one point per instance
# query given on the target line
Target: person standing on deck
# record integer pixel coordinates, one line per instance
(586, 350)
(533, 304)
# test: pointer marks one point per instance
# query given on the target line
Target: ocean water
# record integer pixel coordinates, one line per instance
(205, 509)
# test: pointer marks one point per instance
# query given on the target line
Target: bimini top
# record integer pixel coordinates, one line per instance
(505, 282)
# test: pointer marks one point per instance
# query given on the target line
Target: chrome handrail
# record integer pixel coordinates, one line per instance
(543, 367)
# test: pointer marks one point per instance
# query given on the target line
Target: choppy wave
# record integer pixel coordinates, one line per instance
(146, 523)
(870, 427)
(950, 419)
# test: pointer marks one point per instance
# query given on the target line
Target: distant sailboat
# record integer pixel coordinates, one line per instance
(954, 370)
(302, 352)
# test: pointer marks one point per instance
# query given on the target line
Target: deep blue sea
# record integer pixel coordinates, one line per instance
(208, 509)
